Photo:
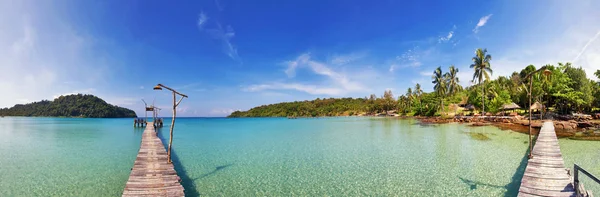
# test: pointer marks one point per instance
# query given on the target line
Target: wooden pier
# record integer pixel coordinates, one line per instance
(546, 174)
(151, 174)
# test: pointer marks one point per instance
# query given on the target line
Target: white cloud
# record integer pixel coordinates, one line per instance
(224, 35)
(586, 46)
(321, 68)
(447, 37)
(221, 112)
(40, 50)
(84, 91)
(482, 21)
(125, 101)
(348, 58)
(426, 73)
(393, 67)
(337, 83)
(311, 89)
(202, 18)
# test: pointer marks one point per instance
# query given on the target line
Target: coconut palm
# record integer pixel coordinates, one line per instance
(440, 87)
(453, 81)
(409, 97)
(483, 70)
(418, 92)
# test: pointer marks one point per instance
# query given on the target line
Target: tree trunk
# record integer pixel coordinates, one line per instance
(442, 107)
(171, 130)
(482, 98)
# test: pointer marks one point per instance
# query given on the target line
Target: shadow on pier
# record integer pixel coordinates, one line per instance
(186, 181)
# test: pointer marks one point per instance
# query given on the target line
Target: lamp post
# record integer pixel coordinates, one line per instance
(175, 104)
(529, 76)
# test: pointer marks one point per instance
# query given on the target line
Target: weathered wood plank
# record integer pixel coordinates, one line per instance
(545, 174)
(151, 174)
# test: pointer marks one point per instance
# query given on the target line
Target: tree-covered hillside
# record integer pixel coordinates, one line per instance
(78, 105)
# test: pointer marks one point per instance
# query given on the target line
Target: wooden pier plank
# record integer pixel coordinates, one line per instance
(545, 174)
(151, 174)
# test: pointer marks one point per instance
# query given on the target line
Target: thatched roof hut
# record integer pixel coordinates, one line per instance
(469, 107)
(510, 106)
(536, 106)
(463, 101)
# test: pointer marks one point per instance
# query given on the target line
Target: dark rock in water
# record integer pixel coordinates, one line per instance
(477, 124)
(585, 124)
(479, 136)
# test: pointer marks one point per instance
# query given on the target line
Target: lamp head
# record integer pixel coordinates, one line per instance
(157, 87)
(547, 72)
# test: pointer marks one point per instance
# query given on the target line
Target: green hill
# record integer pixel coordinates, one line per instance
(79, 105)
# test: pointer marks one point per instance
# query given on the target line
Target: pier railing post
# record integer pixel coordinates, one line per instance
(171, 130)
(576, 179)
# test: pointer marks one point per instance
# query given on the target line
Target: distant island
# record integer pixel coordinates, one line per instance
(76, 105)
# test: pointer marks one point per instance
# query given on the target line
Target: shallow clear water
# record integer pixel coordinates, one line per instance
(274, 157)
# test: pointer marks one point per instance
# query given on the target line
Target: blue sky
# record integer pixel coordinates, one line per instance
(229, 55)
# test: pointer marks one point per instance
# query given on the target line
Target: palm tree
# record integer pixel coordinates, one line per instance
(418, 92)
(483, 70)
(439, 81)
(409, 96)
(453, 82)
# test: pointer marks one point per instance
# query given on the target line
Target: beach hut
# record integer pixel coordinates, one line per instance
(463, 102)
(510, 106)
(536, 106)
(469, 107)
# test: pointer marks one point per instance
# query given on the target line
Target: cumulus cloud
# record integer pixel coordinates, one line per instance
(482, 21)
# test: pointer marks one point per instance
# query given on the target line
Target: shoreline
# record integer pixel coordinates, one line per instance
(582, 130)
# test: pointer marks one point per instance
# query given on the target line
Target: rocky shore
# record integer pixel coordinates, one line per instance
(583, 128)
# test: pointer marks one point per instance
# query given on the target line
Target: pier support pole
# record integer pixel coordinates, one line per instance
(175, 104)
(171, 130)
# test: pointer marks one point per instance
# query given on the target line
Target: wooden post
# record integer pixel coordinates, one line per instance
(530, 144)
(171, 130)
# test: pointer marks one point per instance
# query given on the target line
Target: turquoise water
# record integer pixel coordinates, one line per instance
(274, 157)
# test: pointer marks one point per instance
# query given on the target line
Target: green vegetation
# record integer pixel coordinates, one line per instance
(78, 105)
(562, 88)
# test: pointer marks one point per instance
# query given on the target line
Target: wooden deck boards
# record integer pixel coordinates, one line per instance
(151, 174)
(545, 174)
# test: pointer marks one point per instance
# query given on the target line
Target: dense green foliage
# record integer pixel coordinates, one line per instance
(562, 88)
(70, 106)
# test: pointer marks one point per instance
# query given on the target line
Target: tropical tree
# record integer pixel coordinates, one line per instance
(483, 70)
(409, 97)
(453, 81)
(418, 92)
(388, 100)
(440, 87)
